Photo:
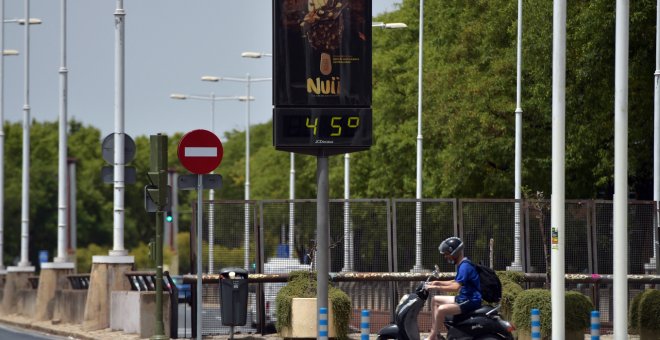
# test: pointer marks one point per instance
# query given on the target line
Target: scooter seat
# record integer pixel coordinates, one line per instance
(482, 310)
(461, 317)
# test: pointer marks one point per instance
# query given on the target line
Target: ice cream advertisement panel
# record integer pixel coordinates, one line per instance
(322, 53)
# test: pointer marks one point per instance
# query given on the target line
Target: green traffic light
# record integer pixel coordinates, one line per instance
(169, 218)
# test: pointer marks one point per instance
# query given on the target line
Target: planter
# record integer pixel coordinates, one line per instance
(646, 334)
(304, 320)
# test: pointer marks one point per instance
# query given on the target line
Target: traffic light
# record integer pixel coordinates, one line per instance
(168, 216)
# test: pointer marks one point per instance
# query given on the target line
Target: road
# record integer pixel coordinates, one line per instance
(7, 332)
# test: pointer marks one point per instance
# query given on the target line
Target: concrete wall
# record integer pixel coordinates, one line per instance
(135, 312)
(26, 302)
(3, 279)
(15, 282)
(70, 305)
(104, 278)
(51, 280)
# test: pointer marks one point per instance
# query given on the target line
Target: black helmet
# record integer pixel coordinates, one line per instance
(451, 246)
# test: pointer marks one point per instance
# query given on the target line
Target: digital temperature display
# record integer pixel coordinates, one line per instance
(322, 131)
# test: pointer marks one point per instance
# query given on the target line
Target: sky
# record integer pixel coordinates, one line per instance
(169, 46)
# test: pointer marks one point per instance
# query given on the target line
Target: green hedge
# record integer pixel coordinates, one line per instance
(649, 314)
(302, 284)
(633, 314)
(522, 308)
(510, 291)
(578, 310)
(511, 276)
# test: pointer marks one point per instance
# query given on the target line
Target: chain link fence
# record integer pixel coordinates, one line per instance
(228, 240)
(402, 235)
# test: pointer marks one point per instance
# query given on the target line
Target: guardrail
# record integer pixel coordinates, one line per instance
(146, 281)
(383, 289)
(78, 281)
(34, 282)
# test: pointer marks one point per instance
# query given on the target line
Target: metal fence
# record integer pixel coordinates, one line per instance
(401, 235)
(228, 240)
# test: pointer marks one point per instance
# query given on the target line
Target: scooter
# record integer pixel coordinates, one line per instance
(484, 323)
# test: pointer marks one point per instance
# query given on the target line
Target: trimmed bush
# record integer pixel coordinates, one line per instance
(649, 314)
(578, 311)
(633, 314)
(341, 307)
(522, 308)
(510, 291)
(84, 256)
(511, 276)
(302, 284)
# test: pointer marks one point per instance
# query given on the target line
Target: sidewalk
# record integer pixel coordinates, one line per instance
(66, 330)
(76, 332)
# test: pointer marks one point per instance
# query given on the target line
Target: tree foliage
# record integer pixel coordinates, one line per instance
(469, 99)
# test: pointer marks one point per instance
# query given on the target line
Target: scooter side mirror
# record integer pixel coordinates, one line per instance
(436, 271)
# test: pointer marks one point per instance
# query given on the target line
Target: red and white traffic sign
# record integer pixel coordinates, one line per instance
(200, 151)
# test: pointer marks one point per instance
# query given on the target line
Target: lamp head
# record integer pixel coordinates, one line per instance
(210, 78)
(178, 96)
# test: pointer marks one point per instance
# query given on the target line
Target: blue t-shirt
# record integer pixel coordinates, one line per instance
(467, 276)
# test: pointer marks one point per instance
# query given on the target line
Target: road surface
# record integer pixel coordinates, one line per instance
(7, 332)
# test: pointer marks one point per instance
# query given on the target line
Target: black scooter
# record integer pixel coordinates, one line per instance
(484, 323)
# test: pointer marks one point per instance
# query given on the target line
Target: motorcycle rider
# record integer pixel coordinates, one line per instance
(466, 284)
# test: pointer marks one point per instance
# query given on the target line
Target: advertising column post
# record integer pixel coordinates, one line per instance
(322, 94)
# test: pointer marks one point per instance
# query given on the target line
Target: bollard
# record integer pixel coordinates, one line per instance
(595, 325)
(364, 325)
(323, 323)
(536, 324)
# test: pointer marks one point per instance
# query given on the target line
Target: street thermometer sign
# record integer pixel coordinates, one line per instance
(200, 151)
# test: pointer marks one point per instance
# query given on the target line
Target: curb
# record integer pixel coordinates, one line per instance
(45, 330)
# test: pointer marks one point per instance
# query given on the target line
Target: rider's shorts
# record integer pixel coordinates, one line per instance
(468, 305)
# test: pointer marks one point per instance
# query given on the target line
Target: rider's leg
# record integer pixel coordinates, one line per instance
(441, 306)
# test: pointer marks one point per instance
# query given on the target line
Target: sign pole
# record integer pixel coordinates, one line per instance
(200, 189)
(158, 174)
(200, 152)
(322, 227)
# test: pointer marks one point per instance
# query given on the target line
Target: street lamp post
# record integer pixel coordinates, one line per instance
(211, 98)
(119, 167)
(517, 258)
(31, 21)
(418, 195)
(384, 25)
(255, 55)
(62, 164)
(2, 129)
(292, 172)
(248, 80)
(25, 191)
(348, 230)
(655, 262)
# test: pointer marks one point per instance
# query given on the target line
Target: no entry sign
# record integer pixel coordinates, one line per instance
(200, 151)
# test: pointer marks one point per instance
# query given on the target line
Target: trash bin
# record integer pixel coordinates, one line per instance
(233, 296)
